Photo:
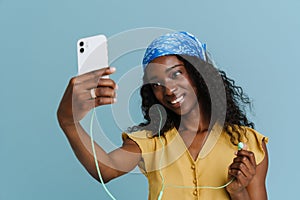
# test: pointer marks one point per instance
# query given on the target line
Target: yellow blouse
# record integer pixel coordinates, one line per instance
(170, 169)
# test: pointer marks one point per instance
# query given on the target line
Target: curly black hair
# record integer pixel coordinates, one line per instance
(212, 84)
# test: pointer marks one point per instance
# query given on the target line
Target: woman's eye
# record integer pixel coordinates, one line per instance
(156, 85)
(176, 73)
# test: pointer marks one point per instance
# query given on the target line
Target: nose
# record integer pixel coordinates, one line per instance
(170, 87)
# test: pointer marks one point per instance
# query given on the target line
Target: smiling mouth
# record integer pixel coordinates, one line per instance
(177, 100)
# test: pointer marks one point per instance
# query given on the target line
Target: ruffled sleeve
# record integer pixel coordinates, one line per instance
(255, 143)
(145, 144)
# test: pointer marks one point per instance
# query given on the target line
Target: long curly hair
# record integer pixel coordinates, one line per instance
(205, 76)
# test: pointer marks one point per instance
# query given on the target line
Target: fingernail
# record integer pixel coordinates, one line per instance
(112, 69)
(117, 87)
(115, 100)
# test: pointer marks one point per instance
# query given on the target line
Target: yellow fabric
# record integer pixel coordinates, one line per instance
(181, 173)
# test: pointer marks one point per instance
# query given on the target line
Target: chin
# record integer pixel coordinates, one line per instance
(181, 111)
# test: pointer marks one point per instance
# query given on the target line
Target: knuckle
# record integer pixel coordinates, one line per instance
(95, 73)
(241, 165)
(100, 101)
(240, 185)
(114, 83)
(106, 92)
(73, 80)
(99, 91)
(111, 82)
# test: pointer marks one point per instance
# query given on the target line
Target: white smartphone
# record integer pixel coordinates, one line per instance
(92, 53)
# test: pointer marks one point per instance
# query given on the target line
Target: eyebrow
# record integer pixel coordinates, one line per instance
(170, 68)
(166, 71)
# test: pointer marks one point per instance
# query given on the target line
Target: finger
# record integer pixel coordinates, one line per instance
(99, 92)
(240, 172)
(92, 103)
(99, 82)
(249, 154)
(96, 74)
(243, 164)
(106, 82)
(240, 166)
(242, 159)
(248, 163)
(105, 92)
(94, 83)
(239, 176)
(236, 165)
(104, 101)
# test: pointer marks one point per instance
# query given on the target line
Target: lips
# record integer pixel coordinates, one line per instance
(176, 101)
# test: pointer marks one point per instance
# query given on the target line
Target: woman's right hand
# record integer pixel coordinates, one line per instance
(77, 100)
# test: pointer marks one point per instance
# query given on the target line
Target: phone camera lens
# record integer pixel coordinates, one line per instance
(81, 44)
(81, 50)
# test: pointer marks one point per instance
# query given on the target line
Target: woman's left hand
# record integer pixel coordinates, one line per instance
(243, 169)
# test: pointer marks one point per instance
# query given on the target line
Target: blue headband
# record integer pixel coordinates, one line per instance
(177, 43)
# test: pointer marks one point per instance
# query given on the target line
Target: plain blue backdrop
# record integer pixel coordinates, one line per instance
(255, 42)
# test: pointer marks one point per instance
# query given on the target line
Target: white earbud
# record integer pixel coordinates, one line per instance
(240, 146)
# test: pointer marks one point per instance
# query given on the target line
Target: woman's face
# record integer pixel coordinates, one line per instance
(172, 85)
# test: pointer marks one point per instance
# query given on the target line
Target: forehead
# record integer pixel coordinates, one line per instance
(162, 65)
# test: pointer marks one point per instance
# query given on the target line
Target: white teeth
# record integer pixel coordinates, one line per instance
(179, 99)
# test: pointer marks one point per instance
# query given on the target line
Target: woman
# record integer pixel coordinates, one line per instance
(187, 147)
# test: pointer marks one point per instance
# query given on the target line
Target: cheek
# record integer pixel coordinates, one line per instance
(192, 86)
(195, 91)
(192, 91)
(158, 94)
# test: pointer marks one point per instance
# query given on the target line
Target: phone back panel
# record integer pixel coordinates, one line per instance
(92, 53)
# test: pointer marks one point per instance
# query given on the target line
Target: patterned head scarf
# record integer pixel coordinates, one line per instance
(177, 43)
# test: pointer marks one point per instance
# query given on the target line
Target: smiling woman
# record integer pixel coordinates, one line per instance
(191, 155)
(171, 84)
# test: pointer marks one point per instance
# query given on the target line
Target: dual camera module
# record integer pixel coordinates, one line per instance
(81, 47)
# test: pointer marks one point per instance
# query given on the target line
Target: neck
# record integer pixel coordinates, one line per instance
(195, 121)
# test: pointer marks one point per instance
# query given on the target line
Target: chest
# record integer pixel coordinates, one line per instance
(194, 143)
(190, 170)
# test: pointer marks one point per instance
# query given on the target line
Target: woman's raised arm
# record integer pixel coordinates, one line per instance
(77, 101)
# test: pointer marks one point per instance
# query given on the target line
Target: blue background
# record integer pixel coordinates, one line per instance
(255, 42)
